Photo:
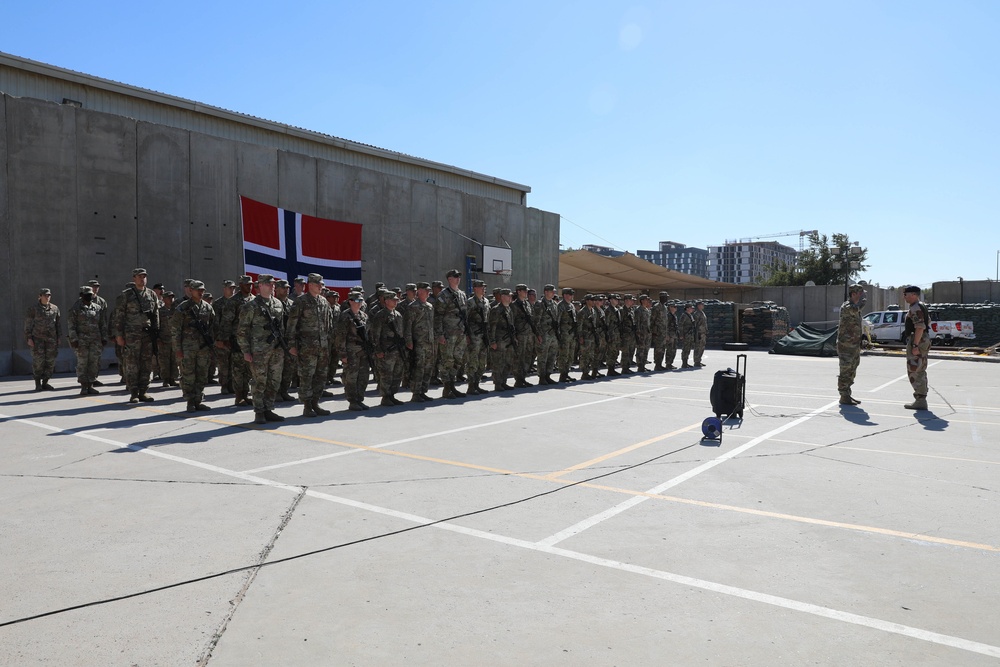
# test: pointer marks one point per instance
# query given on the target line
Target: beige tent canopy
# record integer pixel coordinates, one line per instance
(588, 271)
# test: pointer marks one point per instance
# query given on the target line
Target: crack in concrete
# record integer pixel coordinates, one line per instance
(251, 576)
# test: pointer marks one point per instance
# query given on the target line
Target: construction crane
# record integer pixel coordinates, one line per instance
(801, 233)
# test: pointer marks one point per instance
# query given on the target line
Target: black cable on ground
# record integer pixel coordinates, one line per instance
(186, 582)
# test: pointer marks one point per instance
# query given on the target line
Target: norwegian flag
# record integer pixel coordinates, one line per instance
(290, 245)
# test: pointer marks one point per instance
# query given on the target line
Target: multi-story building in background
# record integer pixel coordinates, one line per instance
(602, 250)
(678, 257)
(745, 262)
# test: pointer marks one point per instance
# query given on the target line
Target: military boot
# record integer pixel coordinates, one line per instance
(417, 398)
(307, 409)
(283, 392)
(919, 403)
(90, 389)
(845, 399)
(455, 393)
(272, 416)
(83, 388)
(449, 390)
(659, 367)
(322, 412)
(259, 417)
(96, 383)
(134, 398)
(386, 402)
(395, 401)
(642, 368)
(613, 373)
(46, 386)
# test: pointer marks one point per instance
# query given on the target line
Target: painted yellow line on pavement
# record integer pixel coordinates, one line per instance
(624, 450)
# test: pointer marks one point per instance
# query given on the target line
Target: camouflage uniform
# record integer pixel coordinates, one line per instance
(686, 331)
(917, 318)
(289, 371)
(569, 337)
(848, 348)
(450, 323)
(167, 362)
(240, 371)
(547, 320)
(479, 342)
(222, 356)
(255, 337)
(629, 331)
(385, 333)
(310, 331)
(643, 335)
(193, 332)
(87, 337)
(418, 332)
(612, 336)
(41, 326)
(658, 333)
(700, 335)
(331, 371)
(351, 333)
(589, 341)
(672, 338)
(524, 322)
(601, 343)
(137, 316)
(503, 334)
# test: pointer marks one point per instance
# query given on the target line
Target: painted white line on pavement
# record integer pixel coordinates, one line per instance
(437, 434)
(901, 377)
(590, 522)
(691, 582)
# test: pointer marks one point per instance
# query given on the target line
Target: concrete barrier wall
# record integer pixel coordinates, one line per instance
(970, 291)
(88, 195)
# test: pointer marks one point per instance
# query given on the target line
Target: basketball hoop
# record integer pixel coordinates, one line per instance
(505, 275)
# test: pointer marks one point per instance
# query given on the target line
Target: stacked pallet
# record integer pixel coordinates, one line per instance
(985, 318)
(763, 323)
(722, 322)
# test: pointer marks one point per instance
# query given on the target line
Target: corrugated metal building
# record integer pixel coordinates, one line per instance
(99, 177)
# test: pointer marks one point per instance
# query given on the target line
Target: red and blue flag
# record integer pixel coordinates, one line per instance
(290, 245)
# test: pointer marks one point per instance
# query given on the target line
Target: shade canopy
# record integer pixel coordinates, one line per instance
(588, 271)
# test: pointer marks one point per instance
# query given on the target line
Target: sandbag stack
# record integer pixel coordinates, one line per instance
(763, 323)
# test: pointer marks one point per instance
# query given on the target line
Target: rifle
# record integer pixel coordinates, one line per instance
(529, 315)
(362, 330)
(154, 332)
(202, 328)
(276, 335)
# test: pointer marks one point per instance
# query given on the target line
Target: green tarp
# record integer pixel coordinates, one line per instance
(808, 341)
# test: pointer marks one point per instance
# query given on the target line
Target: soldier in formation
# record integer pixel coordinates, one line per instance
(700, 332)
(41, 331)
(261, 340)
(167, 360)
(137, 330)
(352, 343)
(310, 340)
(385, 332)
(88, 335)
(451, 327)
(193, 332)
(686, 332)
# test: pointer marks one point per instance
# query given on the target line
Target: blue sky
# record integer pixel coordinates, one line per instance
(695, 121)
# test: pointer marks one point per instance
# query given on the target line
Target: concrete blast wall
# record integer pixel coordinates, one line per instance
(88, 195)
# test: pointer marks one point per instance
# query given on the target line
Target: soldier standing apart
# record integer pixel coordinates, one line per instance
(385, 331)
(221, 352)
(165, 344)
(193, 333)
(418, 332)
(658, 330)
(503, 340)
(352, 343)
(137, 325)
(452, 331)
(700, 332)
(569, 334)
(261, 339)
(87, 337)
(547, 318)
(918, 344)
(673, 337)
(849, 343)
(643, 334)
(310, 335)
(105, 317)
(686, 329)
(527, 336)
(41, 331)
(479, 340)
